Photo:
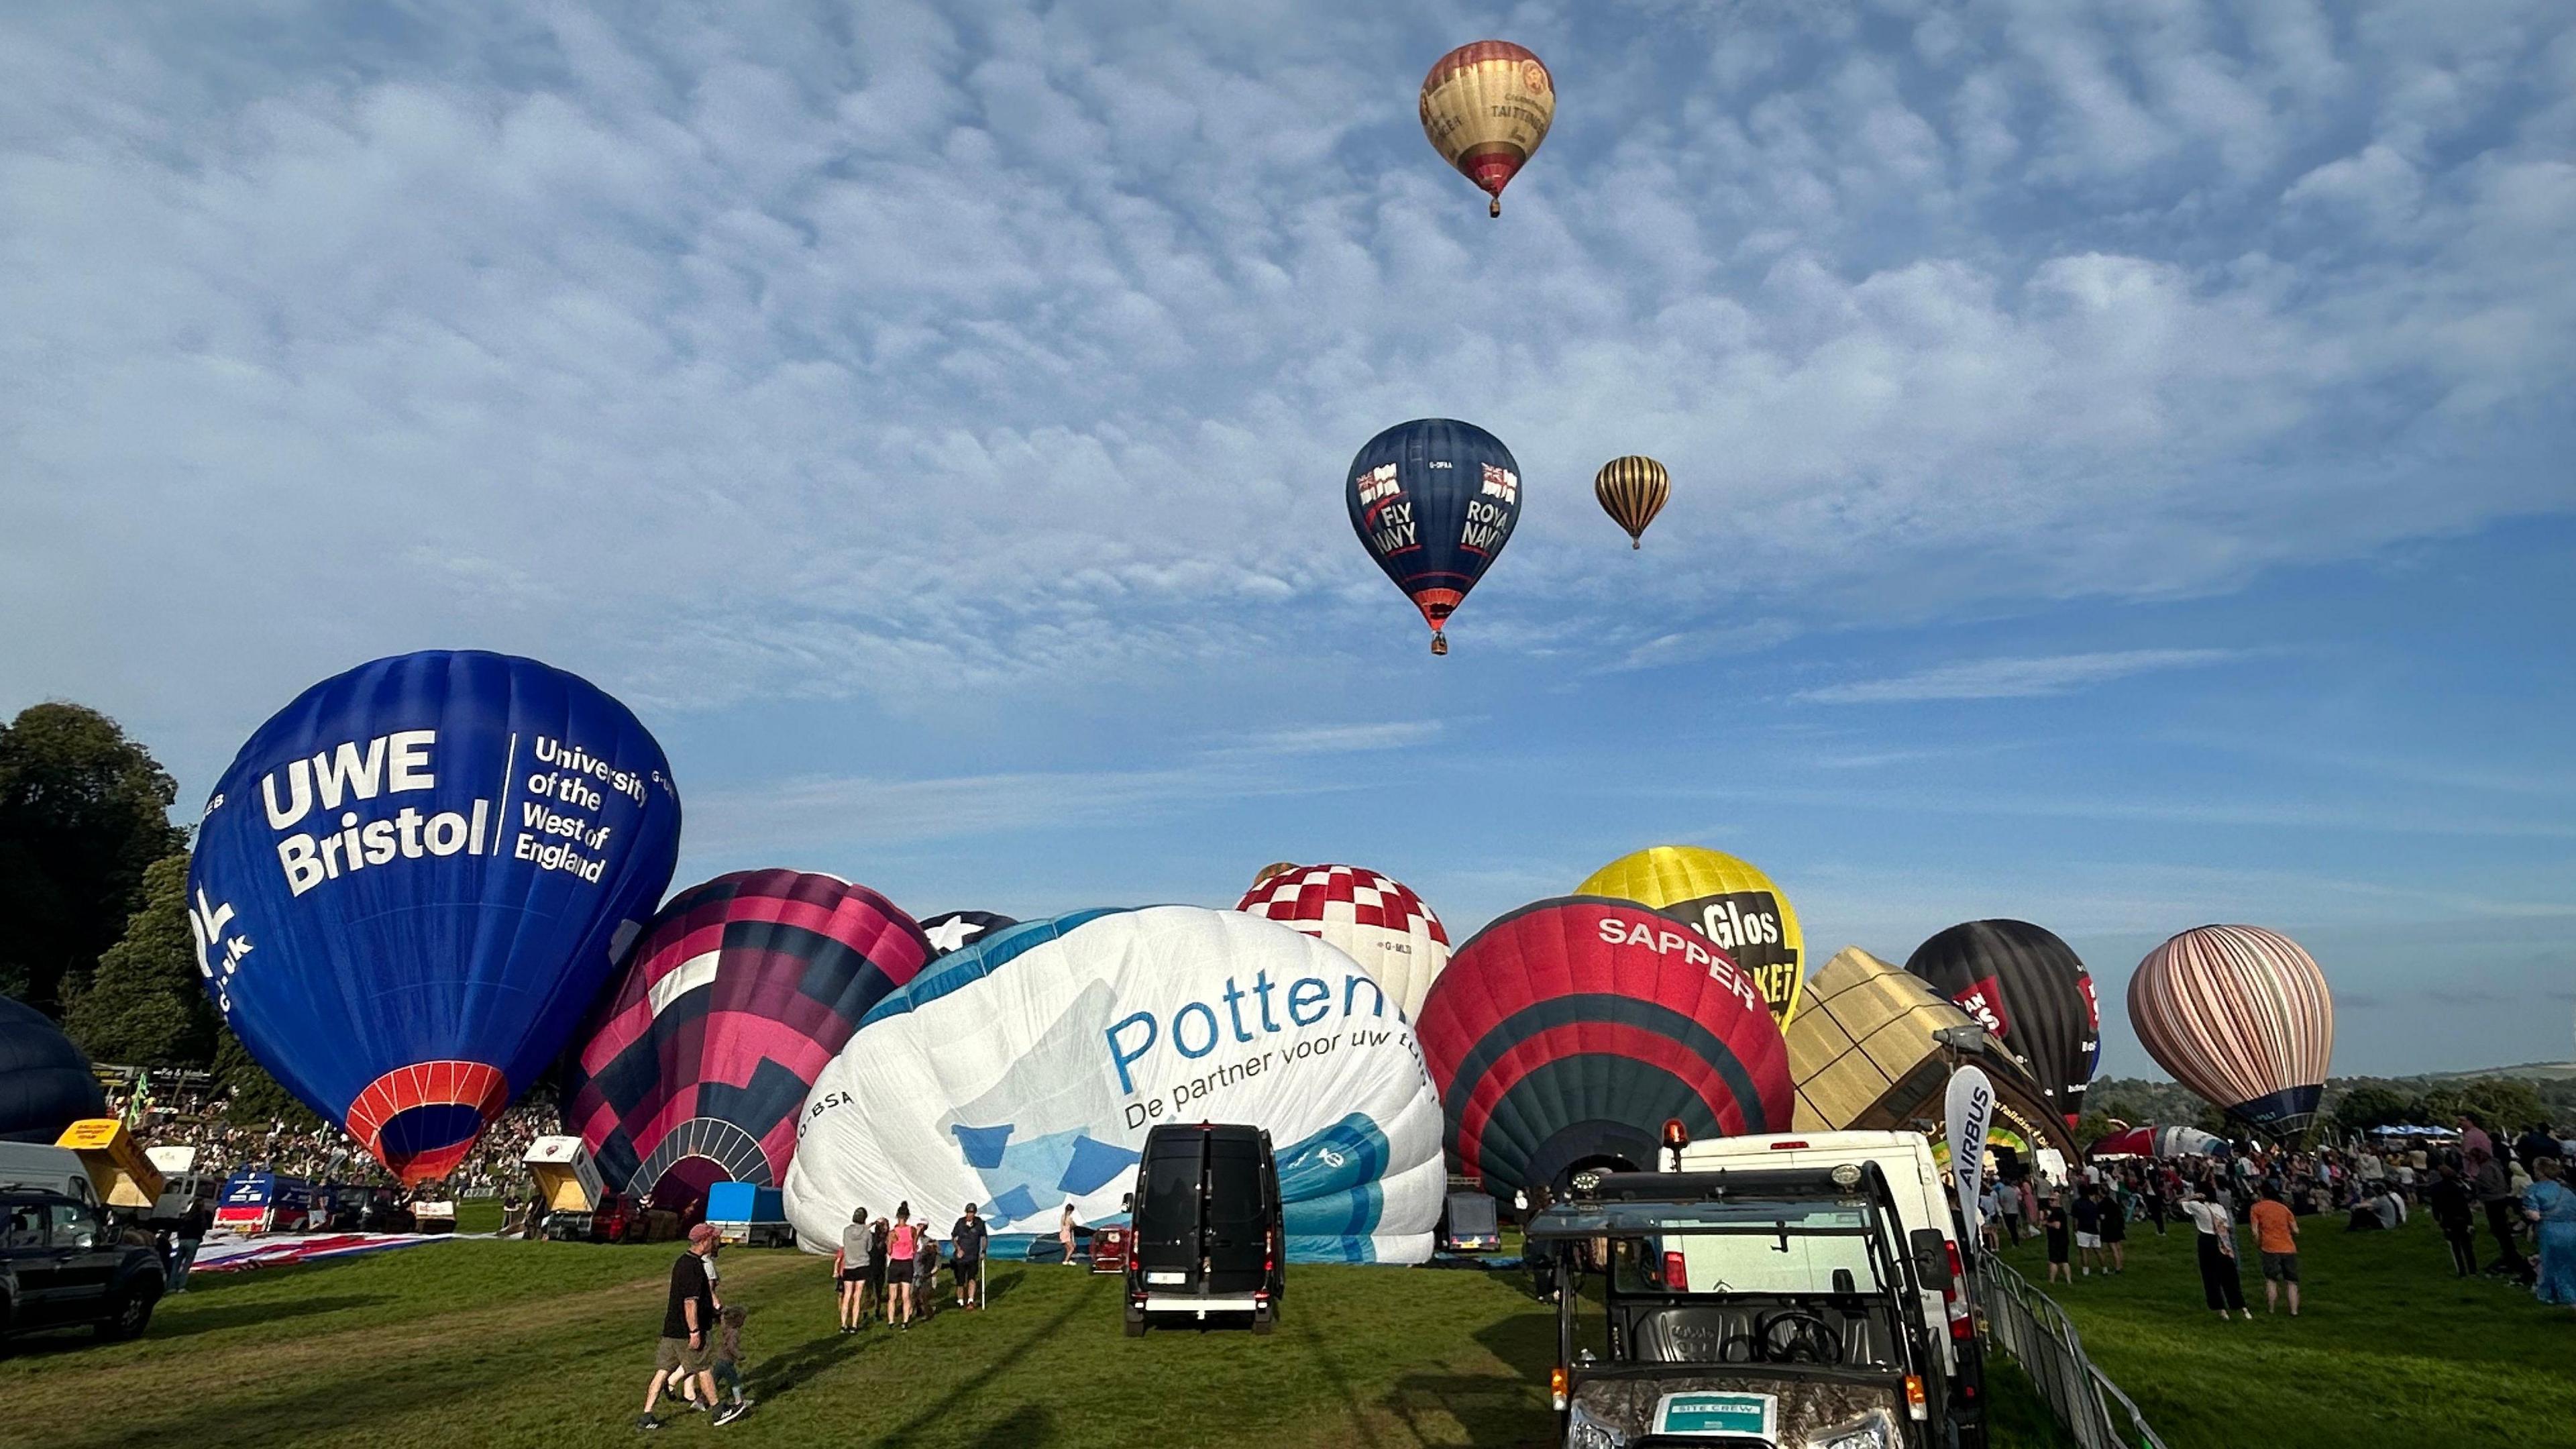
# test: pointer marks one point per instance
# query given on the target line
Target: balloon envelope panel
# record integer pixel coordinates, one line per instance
(411, 882)
(954, 930)
(1567, 1032)
(1023, 1072)
(2240, 1015)
(730, 1004)
(1373, 919)
(2029, 989)
(45, 1080)
(1727, 900)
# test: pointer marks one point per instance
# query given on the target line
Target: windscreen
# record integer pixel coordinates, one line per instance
(1472, 1213)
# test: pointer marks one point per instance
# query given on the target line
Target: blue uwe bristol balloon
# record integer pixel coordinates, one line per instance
(1434, 501)
(413, 881)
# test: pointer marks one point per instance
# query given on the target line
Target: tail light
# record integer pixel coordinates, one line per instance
(1787, 1146)
(1676, 1277)
(1270, 1251)
(1556, 1396)
(1954, 1299)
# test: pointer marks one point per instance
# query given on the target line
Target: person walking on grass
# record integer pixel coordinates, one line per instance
(2276, 1236)
(2115, 1228)
(2494, 1185)
(2087, 1212)
(903, 1240)
(2450, 1201)
(1064, 1234)
(925, 1274)
(2215, 1237)
(850, 1270)
(966, 1258)
(688, 1322)
(2551, 1206)
(2054, 1222)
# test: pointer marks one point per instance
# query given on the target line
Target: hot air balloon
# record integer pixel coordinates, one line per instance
(2241, 1016)
(1375, 920)
(697, 1060)
(45, 1081)
(1632, 491)
(412, 881)
(1434, 501)
(1023, 1072)
(2029, 989)
(1568, 1032)
(954, 930)
(1485, 108)
(1725, 899)
(1873, 1049)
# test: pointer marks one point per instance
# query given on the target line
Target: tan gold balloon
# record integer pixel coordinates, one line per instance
(1632, 491)
(1486, 106)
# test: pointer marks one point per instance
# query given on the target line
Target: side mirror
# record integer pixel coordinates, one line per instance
(1931, 1256)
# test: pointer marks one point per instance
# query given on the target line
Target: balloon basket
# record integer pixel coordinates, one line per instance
(1494, 208)
(1439, 643)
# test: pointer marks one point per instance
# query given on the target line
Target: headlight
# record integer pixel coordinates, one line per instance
(1582, 1431)
(1873, 1430)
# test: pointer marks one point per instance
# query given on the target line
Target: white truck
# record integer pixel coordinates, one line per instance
(1922, 1201)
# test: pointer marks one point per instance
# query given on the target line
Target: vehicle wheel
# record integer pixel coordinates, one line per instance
(133, 1314)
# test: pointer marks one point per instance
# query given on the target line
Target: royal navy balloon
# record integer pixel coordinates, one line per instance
(1434, 501)
(411, 883)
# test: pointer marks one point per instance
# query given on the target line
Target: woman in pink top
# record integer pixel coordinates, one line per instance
(901, 1243)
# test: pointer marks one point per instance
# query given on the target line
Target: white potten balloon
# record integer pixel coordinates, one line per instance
(1023, 1072)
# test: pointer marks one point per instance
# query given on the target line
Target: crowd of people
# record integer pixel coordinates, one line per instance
(189, 1113)
(2515, 1186)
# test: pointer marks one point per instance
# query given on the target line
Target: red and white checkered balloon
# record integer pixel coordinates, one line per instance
(1375, 920)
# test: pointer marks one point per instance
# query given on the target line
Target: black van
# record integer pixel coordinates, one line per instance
(1208, 1237)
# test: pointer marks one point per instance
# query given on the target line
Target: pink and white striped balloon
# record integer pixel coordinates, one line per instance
(2241, 1016)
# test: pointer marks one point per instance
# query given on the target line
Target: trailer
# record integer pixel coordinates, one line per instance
(125, 1178)
(264, 1202)
(747, 1213)
(570, 1191)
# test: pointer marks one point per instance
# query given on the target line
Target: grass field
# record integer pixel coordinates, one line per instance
(549, 1344)
(2391, 1349)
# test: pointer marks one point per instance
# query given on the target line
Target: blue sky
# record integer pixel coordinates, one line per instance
(2121, 454)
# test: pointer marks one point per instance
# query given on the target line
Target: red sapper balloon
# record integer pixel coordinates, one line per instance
(1568, 1032)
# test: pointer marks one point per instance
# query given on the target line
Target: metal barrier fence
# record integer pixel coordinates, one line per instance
(2027, 1324)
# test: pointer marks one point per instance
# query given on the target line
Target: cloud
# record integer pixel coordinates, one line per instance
(881, 355)
(1340, 739)
(2014, 678)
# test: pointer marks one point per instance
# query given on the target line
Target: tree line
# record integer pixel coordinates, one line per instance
(94, 903)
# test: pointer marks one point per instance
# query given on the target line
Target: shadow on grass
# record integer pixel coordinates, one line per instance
(999, 1433)
(777, 1377)
(192, 1321)
(1029, 1424)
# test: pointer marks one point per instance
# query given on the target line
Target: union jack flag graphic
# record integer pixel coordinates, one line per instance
(1502, 483)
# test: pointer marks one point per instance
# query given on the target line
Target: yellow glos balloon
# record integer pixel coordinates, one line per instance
(1723, 898)
(1485, 107)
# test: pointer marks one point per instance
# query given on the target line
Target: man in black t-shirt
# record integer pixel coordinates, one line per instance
(966, 1258)
(2087, 1212)
(688, 1328)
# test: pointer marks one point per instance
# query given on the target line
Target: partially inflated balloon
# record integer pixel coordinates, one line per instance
(1568, 1032)
(1375, 920)
(697, 1060)
(1632, 491)
(1485, 108)
(1434, 501)
(2031, 991)
(1023, 1072)
(1725, 899)
(956, 930)
(2241, 1016)
(45, 1081)
(411, 882)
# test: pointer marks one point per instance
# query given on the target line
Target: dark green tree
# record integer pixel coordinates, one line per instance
(144, 1006)
(84, 811)
(2376, 1104)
